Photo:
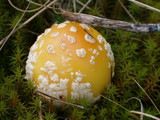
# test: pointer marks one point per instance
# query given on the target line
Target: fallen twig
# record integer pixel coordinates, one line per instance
(111, 24)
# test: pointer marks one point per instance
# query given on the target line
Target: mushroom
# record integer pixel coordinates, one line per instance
(70, 61)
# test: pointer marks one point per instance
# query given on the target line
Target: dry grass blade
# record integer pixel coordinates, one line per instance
(84, 6)
(15, 7)
(74, 5)
(119, 106)
(58, 100)
(40, 111)
(34, 33)
(144, 5)
(79, 2)
(145, 114)
(114, 102)
(130, 15)
(147, 95)
(4, 40)
(142, 109)
(38, 4)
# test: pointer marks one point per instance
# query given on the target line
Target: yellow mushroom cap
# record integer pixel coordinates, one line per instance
(70, 60)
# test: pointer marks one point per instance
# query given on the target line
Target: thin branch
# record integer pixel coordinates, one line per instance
(4, 40)
(147, 95)
(112, 24)
(144, 5)
(145, 114)
(130, 15)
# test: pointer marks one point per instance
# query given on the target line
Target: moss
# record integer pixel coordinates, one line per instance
(136, 56)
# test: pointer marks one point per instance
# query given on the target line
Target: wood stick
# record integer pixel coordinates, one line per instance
(111, 24)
